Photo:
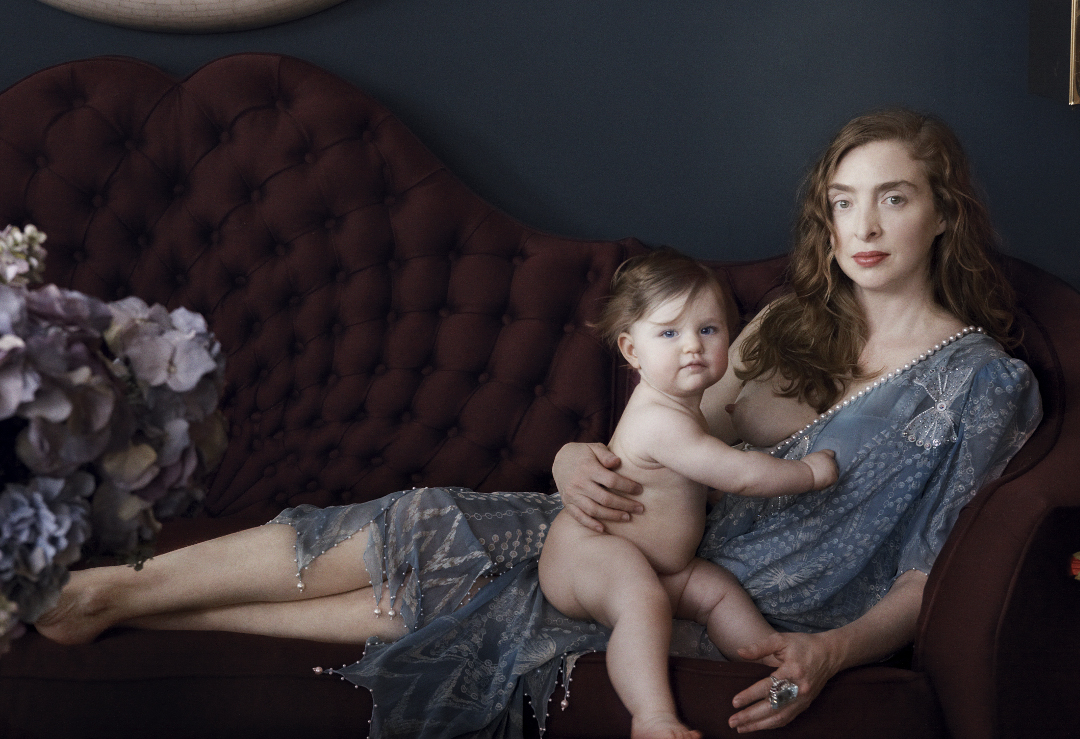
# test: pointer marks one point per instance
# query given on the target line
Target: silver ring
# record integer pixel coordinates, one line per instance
(782, 692)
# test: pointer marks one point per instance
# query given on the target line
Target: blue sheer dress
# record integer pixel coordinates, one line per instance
(911, 450)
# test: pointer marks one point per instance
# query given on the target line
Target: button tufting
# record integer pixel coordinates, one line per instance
(452, 432)
(505, 453)
(341, 277)
(417, 478)
(143, 241)
(178, 189)
(78, 255)
(97, 201)
(427, 370)
(444, 312)
(380, 369)
(507, 320)
(42, 162)
(224, 137)
(376, 461)
(330, 224)
(312, 486)
(270, 471)
(334, 453)
(131, 144)
(280, 249)
(240, 281)
(568, 328)
(538, 390)
(483, 377)
(406, 417)
(310, 157)
(389, 201)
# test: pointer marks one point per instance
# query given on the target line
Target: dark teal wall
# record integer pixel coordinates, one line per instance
(679, 122)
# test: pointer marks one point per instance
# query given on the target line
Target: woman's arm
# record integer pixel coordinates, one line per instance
(591, 490)
(810, 660)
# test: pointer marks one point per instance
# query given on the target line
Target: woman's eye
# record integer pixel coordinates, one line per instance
(841, 204)
(895, 200)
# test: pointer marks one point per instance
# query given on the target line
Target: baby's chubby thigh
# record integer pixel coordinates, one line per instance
(595, 576)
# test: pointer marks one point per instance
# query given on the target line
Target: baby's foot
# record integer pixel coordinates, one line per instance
(660, 726)
(78, 617)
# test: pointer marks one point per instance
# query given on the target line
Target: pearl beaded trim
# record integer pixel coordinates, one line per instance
(877, 383)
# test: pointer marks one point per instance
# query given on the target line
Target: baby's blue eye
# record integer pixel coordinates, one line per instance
(670, 334)
(708, 330)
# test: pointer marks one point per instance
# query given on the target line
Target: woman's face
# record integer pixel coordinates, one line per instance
(884, 220)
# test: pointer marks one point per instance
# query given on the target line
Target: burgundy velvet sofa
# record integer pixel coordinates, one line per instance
(384, 329)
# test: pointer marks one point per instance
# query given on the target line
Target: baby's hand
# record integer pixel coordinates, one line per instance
(823, 465)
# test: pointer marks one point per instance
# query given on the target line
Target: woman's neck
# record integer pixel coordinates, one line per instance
(902, 325)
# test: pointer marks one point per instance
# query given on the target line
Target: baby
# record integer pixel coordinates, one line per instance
(667, 317)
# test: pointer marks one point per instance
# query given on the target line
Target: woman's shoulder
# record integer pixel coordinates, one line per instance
(979, 352)
(989, 373)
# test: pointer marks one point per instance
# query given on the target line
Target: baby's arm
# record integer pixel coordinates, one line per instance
(676, 441)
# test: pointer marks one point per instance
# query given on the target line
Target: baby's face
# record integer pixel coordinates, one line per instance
(680, 347)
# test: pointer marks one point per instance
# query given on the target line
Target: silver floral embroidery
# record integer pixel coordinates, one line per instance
(937, 424)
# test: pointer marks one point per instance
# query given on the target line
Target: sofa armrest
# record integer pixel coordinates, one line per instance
(997, 634)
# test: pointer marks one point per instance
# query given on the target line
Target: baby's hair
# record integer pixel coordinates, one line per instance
(644, 282)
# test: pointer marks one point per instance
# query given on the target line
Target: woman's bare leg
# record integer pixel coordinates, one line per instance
(345, 618)
(253, 566)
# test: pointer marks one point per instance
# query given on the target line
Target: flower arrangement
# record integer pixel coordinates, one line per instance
(108, 421)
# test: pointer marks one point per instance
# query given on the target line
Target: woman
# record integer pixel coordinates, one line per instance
(872, 355)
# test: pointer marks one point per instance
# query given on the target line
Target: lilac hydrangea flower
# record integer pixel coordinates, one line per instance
(43, 525)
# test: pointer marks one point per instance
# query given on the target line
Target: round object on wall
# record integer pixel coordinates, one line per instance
(192, 16)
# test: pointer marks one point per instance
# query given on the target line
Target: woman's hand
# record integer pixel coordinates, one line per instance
(808, 660)
(591, 490)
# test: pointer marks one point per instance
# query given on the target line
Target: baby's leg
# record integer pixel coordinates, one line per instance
(710, 595)
(601, 577)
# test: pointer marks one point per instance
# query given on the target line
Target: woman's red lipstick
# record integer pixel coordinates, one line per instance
(868, 258)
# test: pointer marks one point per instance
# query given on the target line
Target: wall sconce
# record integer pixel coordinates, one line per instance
(1054, 49)
(192, 16)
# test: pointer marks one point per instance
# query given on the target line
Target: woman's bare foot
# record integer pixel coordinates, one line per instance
(79, 616)
(660, 726)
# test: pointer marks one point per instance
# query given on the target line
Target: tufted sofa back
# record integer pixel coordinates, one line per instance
(384, 327)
